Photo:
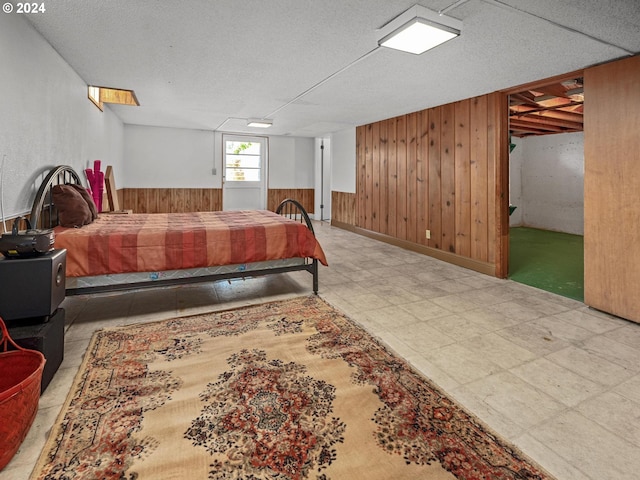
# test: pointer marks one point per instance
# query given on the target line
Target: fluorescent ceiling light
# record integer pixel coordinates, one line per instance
(417, 37)
(259, 122)
(418, 30)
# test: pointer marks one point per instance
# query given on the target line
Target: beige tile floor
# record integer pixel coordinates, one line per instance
(557, 379)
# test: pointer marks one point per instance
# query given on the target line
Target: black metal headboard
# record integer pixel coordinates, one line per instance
(44, 213)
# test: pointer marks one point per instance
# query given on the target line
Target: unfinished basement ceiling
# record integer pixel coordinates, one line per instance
(314, 66)
(554, 108)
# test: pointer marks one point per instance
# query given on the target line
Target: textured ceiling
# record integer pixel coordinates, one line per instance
(313, 66)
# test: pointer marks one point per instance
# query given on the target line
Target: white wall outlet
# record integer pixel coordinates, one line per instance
(428, 234)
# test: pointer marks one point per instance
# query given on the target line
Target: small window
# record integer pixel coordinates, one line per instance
(101, 95)
(243, 160)
(94, 96)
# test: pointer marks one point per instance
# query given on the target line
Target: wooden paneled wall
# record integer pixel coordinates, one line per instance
(444, 170)
(9, 222)
(174, 200)
(611, 188)
(343, 208)
(303, 195)
(171, 200)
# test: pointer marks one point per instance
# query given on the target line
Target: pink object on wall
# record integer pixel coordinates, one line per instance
(95, 179)
(100, 185)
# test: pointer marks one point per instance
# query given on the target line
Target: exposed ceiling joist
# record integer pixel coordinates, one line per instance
(545, 120)
(544, 109)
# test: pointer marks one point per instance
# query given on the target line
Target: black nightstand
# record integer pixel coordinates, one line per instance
(31, 290)
(32, 286)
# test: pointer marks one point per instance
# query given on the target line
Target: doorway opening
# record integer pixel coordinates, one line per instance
(245, 172)
(546, 185)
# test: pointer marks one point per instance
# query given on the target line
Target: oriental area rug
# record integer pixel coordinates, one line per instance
(284, 390)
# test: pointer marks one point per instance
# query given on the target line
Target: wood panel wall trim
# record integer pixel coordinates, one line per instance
(541, 83)
(439, 178)
(171, 200)
(611, 186)
(306, 196)
(475, 265)
(499, 203)
(10, 220)
(343, 207)
(174, 200)
(343, 225)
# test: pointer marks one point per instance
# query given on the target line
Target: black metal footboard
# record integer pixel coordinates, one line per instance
(294, 210)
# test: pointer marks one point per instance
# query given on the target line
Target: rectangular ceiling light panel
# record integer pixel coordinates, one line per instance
(418, 30)
(259, 123)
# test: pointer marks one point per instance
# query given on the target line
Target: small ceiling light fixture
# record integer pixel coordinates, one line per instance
(418, 30)
(259, 122)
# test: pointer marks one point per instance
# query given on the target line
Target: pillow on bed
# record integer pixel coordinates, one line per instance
(87, 198)
(73, 210)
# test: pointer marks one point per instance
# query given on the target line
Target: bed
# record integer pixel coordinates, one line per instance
(117, 251)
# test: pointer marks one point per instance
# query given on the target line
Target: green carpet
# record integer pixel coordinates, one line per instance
(551, 261)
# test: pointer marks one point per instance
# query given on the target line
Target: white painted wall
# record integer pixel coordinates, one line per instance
(552, 182)
(291, 162)
(343, 161)
(46, 119)
(157, 157)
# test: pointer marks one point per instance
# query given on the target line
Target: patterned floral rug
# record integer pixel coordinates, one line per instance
(284, 390)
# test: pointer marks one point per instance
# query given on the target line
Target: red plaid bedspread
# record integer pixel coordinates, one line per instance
(120, 243)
